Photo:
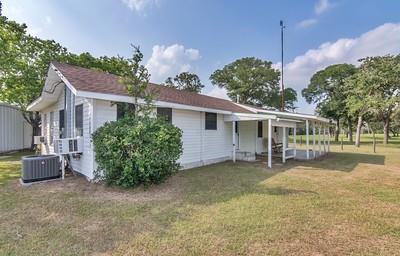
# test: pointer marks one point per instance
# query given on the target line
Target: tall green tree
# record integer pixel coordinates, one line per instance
(326, 90)
(253, 81)
(24, 62)
(376, 89)
(185, 81)
(136, 79)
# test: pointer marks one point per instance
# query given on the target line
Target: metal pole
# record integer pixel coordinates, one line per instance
(282, 86)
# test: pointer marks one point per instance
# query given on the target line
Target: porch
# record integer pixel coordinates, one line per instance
(257, 137)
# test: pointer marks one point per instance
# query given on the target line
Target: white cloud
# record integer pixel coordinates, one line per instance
(218, 93)
(322, 6)
(169, 61)
(307, 23)
(381, 40)
(139, 5)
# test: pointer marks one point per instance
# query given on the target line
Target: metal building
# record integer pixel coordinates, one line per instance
(15, 131)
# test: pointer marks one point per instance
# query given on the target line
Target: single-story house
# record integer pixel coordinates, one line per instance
(76, 101)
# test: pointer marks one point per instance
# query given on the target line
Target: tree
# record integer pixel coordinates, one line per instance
(253, 81)
(376, 89)
(136, 79)
(24, 62)
(185, 81)
(326, 90)
(290, 99)
(395, 126)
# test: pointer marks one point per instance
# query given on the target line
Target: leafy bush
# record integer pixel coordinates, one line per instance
(137, 150)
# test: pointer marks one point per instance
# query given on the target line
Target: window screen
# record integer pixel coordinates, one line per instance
(260, 129)
(79, 120)
(211, 121)
(165, 113)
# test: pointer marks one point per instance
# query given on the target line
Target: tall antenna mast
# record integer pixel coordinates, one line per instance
(282, 86)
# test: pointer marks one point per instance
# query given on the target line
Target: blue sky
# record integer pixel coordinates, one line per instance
(203, 35)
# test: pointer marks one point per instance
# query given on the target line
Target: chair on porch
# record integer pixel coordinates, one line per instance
(276, 147)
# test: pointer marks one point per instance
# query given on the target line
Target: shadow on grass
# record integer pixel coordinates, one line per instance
(346, 162)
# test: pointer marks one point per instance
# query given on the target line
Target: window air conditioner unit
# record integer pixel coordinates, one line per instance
(68, 146)
(38, 140)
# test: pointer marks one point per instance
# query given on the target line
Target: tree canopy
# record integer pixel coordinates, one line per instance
(24, 62)
(326, 89)
(185, 81)
(254, 81)
(375, 89)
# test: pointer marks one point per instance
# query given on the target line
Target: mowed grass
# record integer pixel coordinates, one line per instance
(345, 203)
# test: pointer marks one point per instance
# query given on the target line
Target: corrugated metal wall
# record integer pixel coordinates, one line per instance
(15, 132)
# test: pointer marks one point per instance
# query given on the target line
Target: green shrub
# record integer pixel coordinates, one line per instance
(137, 150)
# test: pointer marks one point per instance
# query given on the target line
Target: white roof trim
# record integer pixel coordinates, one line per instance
(247, 117)
(31, 107)
(65, 80)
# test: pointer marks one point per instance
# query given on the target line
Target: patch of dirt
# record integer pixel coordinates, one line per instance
(100, 192)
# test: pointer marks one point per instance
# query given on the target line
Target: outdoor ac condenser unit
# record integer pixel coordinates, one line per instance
(68, 146)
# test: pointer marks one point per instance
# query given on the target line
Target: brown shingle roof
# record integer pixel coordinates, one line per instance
(84, 79)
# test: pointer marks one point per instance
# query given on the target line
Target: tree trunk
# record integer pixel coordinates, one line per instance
(350, 130)
(337, 131)
(358, 132)
(386, 127)
(33, 118)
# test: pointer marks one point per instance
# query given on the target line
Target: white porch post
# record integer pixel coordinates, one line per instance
(313, 143)
(233, 142)
(319, 139)
(307, 143)
(269, 143)
(324, 139)
(284, 145)
(329, 139)
(294, 140)
(256, 138)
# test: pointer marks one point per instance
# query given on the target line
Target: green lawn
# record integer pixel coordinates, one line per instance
(345, 203)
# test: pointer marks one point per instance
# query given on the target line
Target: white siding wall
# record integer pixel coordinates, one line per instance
(247, 136)
(200, 146)
(104, 112)
(84, 164)
(15, 132)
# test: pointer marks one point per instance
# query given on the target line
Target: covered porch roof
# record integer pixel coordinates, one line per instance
(286, 115)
